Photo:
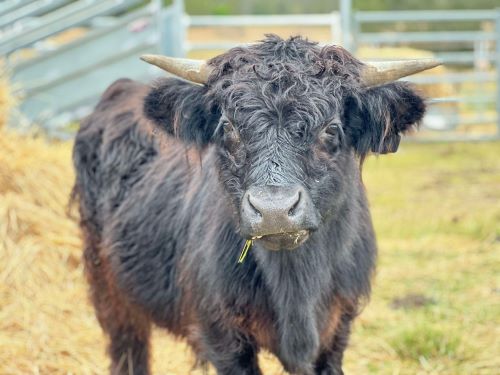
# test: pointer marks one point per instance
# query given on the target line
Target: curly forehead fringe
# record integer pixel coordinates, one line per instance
(293, 73)
(297, 53)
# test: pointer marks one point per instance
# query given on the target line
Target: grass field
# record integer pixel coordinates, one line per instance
(436, 302)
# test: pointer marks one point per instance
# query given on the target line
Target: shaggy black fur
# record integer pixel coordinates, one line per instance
(161, 215)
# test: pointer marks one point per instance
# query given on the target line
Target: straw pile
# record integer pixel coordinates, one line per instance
(41, 284)
(39, 262)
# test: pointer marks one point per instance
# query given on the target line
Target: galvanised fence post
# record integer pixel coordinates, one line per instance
(346, 22)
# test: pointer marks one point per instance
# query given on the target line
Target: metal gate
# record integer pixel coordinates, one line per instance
(59, 81)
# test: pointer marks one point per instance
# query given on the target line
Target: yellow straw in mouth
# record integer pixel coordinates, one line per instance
(244, 252)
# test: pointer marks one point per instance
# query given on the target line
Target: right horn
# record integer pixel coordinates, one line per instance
(378, 73)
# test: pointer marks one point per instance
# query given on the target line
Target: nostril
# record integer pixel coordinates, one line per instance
(255, 209)
(293, 209)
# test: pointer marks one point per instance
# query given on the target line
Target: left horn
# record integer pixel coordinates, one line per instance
(378, 73)
(192, 70)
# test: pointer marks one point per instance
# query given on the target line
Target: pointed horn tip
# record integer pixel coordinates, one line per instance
(433, 62)
(429, 63)
(147, 58)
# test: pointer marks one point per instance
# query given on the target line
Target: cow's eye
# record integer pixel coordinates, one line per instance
(231, 136)
(227, 127)
(332, 129)
(332, 136)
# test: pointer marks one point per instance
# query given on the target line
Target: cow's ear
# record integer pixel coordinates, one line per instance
(378, 117)
(181, 109)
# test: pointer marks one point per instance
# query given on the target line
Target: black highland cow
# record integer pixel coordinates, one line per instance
(172, 179)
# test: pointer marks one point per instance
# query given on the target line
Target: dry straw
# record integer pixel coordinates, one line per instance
(46, 325)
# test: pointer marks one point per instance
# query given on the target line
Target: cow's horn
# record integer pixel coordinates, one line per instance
(192, 70)
(377, 73)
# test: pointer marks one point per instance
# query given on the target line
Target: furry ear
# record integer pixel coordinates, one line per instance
(182, 109)
(378, 116)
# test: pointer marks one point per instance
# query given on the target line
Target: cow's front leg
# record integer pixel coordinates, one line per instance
(231, 352)
(298, 342)
(329, 361)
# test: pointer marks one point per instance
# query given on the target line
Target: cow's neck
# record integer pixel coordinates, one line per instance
(299, 283)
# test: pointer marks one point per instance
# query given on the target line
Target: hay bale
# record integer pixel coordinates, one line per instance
(40, 270)
(46, 324)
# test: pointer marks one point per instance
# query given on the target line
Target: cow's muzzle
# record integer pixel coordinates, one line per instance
(279, 217)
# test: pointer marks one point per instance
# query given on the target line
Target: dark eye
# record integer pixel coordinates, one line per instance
(332, 129)
(332, 136)
(227, 127)
(231, 136)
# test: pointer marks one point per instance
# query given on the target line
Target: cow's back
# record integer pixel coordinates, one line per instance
(134, 186)
(106, 139)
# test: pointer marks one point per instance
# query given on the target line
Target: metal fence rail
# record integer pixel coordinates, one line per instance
(10, 5)
(61, 83)
(71, 15)
(32, 9)
(331, 21)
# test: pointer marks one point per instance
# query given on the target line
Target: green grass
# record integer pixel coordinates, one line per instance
(426, 341)
(436, 210)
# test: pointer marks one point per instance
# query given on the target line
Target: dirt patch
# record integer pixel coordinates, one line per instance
(412, 301)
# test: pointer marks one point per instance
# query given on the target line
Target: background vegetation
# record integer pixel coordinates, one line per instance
(322, 6)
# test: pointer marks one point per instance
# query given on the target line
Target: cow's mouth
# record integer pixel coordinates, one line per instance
(283, 241)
